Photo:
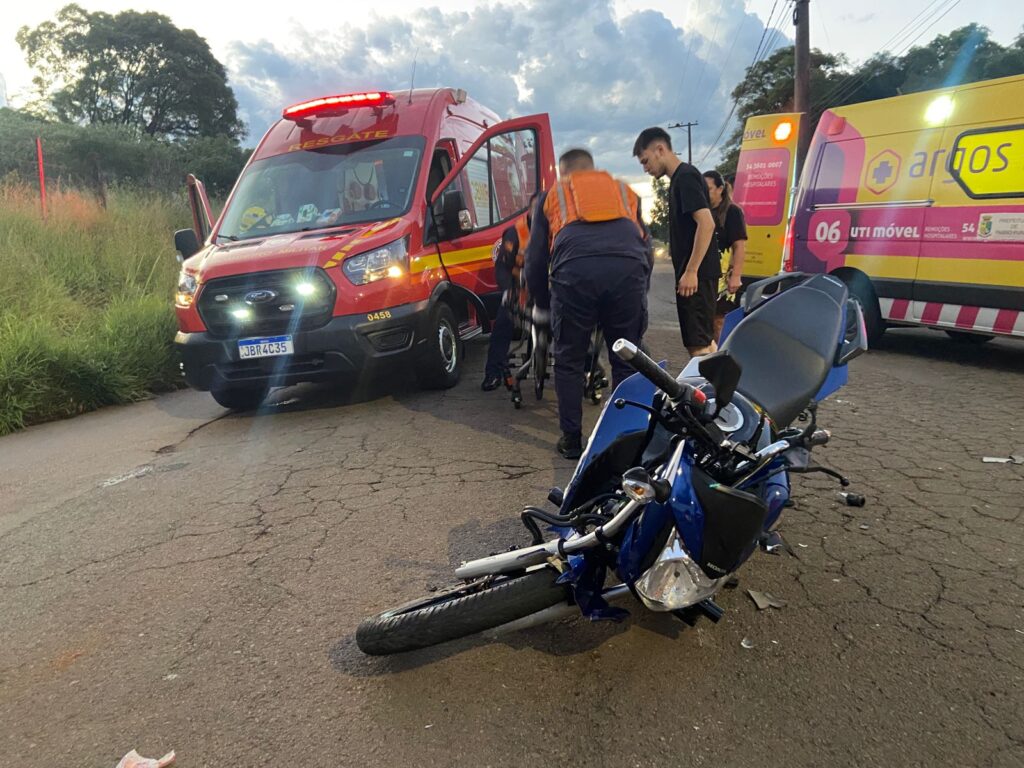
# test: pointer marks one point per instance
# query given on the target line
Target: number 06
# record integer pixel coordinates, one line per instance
(826, 232)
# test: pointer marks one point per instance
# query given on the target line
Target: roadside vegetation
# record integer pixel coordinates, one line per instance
(86, 317)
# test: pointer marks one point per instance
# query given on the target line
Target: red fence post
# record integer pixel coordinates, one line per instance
(42, 174)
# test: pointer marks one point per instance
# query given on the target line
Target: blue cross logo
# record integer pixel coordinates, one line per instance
(882, 173)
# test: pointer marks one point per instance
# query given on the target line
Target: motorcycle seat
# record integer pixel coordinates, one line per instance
(786, 346)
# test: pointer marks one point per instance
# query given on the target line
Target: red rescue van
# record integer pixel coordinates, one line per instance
(358, 236)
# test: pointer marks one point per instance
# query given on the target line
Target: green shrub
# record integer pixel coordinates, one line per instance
(85, 304)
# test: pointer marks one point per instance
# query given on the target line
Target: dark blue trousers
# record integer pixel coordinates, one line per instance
(501, 339)
(606, 291)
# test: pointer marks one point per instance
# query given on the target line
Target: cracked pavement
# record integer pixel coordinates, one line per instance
(206, 601)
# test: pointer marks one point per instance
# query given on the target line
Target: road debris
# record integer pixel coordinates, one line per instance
(1016, 458)
(746, 643)
(765, 600)
(134, 760)
(137, 472)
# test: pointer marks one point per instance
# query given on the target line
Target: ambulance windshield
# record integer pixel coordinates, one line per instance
(324, 187)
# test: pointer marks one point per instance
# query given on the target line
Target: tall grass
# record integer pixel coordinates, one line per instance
(85, 301)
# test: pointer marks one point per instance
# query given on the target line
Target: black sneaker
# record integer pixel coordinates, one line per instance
(490, 383)
(570, 445)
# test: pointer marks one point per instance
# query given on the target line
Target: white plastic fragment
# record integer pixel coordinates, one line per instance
(746, 643)
(134, 760)
(765, 600)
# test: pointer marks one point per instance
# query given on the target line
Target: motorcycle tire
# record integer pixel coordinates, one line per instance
(460, 612)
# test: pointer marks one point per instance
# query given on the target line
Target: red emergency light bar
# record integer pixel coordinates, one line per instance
(335, 104)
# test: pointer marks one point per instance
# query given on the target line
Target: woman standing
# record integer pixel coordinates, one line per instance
(731, 229)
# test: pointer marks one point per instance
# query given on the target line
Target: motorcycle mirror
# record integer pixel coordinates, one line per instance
(723, 373)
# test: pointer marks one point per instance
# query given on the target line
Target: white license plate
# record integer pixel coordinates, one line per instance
(273, 346)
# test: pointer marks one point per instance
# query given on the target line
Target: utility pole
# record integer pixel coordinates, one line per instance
(689, 143)
(802, 78)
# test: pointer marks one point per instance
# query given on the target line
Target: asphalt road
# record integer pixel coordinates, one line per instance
(175, 577)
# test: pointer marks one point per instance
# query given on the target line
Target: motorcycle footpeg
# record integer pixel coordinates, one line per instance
(819, 437)
(711, 610)
(708, 608)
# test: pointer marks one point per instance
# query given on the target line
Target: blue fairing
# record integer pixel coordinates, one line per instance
(613, 424)
(650, 530)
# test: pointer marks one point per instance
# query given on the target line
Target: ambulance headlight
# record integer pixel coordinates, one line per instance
(675, 581)
(391, 260)
(187, 287)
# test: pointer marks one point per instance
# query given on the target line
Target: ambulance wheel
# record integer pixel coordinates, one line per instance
(864, 293)
(239, 398)
(973, 339)
(441, 365)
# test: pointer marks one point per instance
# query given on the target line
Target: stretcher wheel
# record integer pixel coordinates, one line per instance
(517, 403)
(596, 397)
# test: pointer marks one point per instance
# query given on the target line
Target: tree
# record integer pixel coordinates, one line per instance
(133, 69)
(659, 210)
(965, 55)
(768, 87)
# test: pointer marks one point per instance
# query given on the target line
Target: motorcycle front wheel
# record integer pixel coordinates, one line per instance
(461, 611)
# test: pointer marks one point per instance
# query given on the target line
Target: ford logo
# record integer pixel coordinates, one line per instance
(260, 297)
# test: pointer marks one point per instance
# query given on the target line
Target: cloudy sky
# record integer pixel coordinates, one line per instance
(603, 69)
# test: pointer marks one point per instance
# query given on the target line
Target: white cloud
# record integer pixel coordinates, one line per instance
(602, 76)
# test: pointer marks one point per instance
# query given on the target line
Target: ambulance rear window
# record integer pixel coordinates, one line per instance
(325, 187)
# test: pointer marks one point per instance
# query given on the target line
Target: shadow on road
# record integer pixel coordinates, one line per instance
(562, 639)
(998, 354)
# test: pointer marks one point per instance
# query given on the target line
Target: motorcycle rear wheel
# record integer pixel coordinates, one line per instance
(463, 611)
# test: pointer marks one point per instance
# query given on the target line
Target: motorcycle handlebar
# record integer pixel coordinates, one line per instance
(662, 379)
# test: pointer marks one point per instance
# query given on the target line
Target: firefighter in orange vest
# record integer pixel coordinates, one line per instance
(508, 265)
(589, 242)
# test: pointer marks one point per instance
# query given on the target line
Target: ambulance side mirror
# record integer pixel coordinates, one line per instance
(186, 243)
(456, 219)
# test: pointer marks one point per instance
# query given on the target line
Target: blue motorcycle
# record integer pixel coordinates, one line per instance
(682, 480)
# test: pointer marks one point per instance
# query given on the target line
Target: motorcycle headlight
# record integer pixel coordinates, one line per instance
(675, 580)
(187, 287)
(391, 260)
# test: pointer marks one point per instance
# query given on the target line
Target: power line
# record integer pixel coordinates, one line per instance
(686, 66)
(728, 57)
(704, 61)
(757, 59)
(844, 90)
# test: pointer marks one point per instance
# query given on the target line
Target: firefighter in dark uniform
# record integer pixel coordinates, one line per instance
(508, 264)
(589, 240)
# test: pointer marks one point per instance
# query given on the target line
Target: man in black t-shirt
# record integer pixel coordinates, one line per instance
(692, 243)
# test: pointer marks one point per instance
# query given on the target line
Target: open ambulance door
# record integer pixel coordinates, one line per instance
(487, 191)
(189, 241)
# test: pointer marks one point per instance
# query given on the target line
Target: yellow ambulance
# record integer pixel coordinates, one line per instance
(763, 188)
(917, 203)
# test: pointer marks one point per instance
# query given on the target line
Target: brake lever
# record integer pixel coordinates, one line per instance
(658, 416)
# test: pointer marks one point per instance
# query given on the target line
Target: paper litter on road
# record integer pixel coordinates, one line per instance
(1013, 459)
(134, 760)
(765, 600)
